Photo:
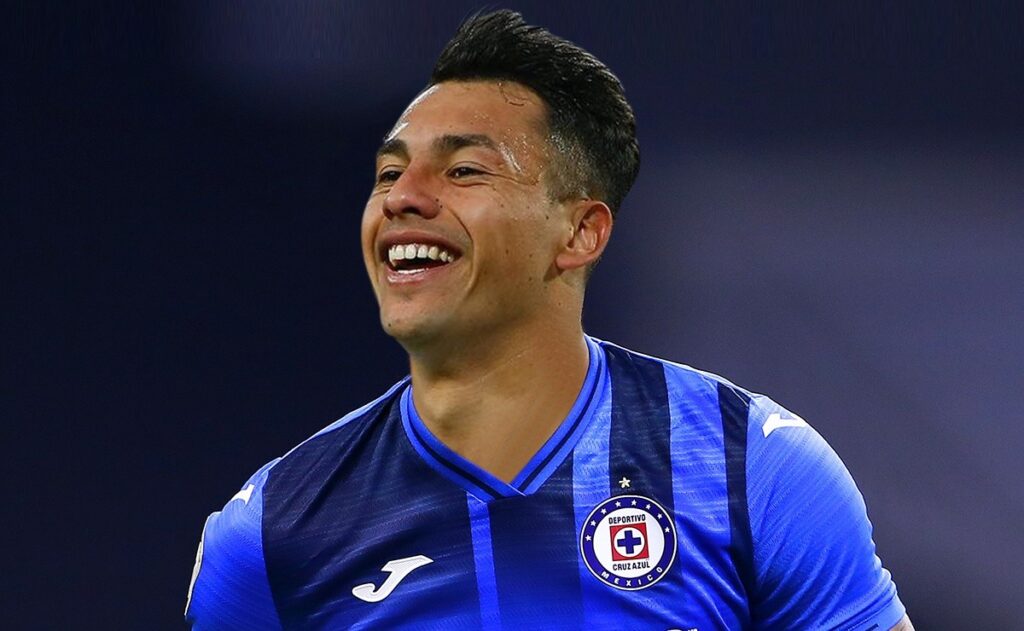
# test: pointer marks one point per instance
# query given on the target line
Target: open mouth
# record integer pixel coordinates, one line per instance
(414, 257)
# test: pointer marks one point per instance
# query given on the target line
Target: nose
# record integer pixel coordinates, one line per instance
(411, 193)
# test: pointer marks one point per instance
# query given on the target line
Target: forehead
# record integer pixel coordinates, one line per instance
(508, 112)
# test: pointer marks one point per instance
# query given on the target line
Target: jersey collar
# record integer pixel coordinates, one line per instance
(482, 484)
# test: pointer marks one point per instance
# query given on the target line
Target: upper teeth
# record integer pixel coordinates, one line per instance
(408, 251)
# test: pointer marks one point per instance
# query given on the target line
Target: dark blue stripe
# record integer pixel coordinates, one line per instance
(735, 406)
(451, 466)
(641, 427)
(343, 504)
(536, 562)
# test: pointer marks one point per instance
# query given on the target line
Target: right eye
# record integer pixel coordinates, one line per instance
(388, 176)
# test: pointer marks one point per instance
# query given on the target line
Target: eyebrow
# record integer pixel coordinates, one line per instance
(448, 143)
(394, 147)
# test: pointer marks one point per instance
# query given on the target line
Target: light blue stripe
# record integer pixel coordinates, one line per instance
(590, 488)
(701, 504)
(483, 557)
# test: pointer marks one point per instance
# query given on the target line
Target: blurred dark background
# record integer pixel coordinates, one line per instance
(830, 211)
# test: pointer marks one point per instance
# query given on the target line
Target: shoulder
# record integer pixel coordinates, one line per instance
(312, 462)
(775, 447)
(756, 412)
(353, 418)
(341, 429)
(697, 392)
(230, 588)
(680, 380)
(348, 424)
(814, 562)
(800, 536)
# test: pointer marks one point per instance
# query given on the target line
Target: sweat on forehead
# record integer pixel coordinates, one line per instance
(445, 143)
(507, 99)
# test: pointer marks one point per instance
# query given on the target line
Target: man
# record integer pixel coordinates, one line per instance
(527, 475)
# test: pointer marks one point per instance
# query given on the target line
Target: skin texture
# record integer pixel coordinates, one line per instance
(495, 341)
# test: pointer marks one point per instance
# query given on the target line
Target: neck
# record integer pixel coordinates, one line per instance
(496, 401)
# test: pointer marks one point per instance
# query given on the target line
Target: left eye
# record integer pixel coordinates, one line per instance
(460, 172)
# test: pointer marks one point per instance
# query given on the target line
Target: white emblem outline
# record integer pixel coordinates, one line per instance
(662, 517)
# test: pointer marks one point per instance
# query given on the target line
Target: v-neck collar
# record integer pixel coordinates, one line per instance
(483, 484)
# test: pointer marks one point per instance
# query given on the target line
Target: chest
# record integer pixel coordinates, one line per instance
(553, 559)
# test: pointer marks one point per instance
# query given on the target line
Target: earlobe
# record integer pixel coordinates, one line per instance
(588, 235)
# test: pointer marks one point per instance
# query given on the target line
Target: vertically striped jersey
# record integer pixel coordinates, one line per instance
(668, 498)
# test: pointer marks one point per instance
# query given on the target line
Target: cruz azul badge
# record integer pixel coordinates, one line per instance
(629, 542)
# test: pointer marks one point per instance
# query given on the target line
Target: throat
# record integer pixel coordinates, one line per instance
(506, 451)
(500, 439)
(500, 420)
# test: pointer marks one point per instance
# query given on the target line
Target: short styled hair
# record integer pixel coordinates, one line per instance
(591, 125)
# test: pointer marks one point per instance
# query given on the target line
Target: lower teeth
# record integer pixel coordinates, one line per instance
(414, 270)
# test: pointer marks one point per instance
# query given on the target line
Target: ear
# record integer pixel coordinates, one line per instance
(588, 235)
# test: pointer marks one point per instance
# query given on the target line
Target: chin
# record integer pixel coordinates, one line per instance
(411, 330)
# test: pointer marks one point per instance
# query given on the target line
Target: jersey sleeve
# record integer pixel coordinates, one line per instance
(814, 560)
(229, 588)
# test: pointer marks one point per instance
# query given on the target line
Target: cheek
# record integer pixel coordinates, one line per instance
(368, 231)
(528, 247)
(369, 222)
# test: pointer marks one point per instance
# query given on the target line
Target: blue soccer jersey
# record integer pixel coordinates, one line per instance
(667, 499)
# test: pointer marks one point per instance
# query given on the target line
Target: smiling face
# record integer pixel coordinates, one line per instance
(460, 236)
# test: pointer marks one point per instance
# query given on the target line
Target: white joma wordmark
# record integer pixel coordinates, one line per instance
(775, 421)
(399, 569)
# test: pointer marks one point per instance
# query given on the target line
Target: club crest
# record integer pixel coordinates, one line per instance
(629, 542)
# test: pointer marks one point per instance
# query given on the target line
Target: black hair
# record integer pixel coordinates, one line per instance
(591, 125)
